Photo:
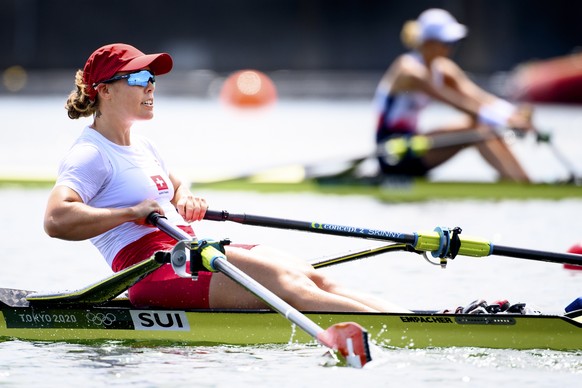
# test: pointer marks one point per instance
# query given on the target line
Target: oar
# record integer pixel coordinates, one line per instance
(392, 148)
(419, 145)
(348, 338)
(545, 137)
(442, 242)
(396, 148)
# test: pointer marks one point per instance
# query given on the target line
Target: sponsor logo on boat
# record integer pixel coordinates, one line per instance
(415, 319)
(160, 320)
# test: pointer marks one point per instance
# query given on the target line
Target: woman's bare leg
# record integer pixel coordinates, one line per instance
(327, 284)
(369, 300)
(496, 152)
(492, 148)
(285, 276)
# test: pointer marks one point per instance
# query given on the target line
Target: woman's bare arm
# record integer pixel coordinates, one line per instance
(67, 217)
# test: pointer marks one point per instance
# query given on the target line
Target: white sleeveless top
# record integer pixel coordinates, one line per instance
(401, 111)
(107, 175)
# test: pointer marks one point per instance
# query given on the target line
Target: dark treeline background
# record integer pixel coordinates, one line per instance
(225, 35)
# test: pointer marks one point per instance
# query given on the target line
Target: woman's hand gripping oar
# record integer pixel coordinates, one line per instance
(347, 338)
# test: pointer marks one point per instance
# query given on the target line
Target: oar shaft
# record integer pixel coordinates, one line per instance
(531, 254)
(172, 231)
(276, 303)
(314, 227)
(419, 145)
(445, 140)
(427, 242)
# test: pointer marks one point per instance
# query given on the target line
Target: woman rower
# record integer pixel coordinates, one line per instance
(112, 179)
(426, 73)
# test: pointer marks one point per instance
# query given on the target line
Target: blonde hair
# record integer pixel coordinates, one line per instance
(410, 34)
(79, 104)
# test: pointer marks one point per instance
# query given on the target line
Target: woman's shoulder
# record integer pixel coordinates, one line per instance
(409, 64)
(84, 152)
(407, 70)
(446, 66)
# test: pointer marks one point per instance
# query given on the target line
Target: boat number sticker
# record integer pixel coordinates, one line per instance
(160, 320)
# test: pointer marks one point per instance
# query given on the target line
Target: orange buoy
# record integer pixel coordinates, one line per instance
(248, 89)
(576, 248)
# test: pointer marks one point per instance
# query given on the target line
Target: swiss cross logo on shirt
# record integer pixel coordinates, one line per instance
(160, 182)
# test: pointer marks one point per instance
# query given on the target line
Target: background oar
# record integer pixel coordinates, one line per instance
(440, 242)
(335, 171)
(395, 149)
(348, 338)
(544, 137)
(392, 148)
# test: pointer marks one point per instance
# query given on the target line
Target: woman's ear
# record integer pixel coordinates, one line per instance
(103, 91)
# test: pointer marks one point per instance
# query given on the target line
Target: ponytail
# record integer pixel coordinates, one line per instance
(79, 104)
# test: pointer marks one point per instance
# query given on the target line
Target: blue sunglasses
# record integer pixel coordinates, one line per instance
(141, 78)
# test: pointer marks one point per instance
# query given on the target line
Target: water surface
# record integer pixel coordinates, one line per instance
(202, 139)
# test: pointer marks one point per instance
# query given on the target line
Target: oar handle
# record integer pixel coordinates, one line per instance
(156, 219)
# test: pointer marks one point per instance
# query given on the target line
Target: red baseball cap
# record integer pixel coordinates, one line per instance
(108, 60)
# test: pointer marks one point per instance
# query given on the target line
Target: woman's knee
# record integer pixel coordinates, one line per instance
(323, 282)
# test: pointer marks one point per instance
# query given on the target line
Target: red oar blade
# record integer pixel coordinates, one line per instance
(576, 248)
(350, 340)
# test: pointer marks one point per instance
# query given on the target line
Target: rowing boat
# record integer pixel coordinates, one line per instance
(117, 320)
(97, 313)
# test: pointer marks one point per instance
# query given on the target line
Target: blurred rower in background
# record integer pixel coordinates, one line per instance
(427, 73)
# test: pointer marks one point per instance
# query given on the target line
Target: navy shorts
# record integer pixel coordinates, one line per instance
(409, 164)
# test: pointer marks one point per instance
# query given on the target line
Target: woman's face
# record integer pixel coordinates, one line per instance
(130, 102)
(435, 48)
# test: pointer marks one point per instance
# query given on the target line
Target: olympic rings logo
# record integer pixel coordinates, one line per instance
(101, 319)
